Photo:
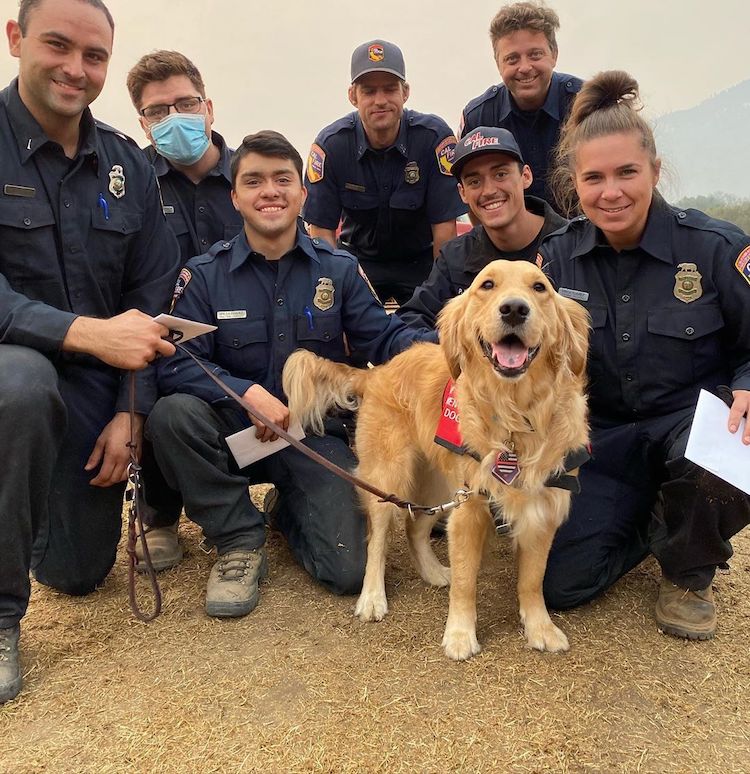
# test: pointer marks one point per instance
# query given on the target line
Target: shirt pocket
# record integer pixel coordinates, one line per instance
(597, 342)
(110, 240)
(684, 345)
(355, 201)
(321, 334)
(29, 250)
(409, 198)
(242, 347)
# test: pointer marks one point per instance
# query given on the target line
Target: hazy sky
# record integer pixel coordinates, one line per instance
(285, 65)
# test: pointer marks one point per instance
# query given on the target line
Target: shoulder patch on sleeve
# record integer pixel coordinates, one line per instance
(179, 288)
(743, 264)
(364, 276)
(444, 154)
(316, 164)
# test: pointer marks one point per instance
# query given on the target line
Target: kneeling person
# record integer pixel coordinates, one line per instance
(270, 290)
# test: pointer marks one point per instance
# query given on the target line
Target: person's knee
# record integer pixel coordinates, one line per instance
(344, 574)
(172, 417)
(75, 581)
(28, 384)
(570, 585)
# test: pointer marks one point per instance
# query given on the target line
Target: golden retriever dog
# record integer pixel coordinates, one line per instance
(516, 351)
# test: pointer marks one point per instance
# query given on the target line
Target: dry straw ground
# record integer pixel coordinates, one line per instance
(301, 686)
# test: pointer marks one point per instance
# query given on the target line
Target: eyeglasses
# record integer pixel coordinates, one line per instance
(185, 105)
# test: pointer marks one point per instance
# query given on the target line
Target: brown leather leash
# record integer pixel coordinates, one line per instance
(461, 495)
(134, 496)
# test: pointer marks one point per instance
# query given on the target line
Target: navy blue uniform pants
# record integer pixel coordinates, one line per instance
(50, 418)
(319, 513)
(639, 495)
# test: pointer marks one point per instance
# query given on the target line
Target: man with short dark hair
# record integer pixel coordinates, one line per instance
(270, 290)
(192, 164)
(493, 181)
(533, 100)
(85, 260)
(384, 171)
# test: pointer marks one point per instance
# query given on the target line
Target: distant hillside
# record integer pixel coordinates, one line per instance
(707, 147)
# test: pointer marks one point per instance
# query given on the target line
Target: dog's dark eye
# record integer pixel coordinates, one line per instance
(487, 285)
(539, 287)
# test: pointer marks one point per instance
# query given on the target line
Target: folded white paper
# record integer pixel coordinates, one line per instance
(246, 448)
(188, 328)
(714, 448)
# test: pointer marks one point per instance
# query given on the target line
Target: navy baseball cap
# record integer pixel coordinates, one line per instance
(484, 139)
(378, 56)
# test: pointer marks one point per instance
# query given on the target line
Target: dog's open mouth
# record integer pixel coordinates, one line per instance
(510, 357)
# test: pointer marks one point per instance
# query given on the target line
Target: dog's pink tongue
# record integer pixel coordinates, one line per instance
(510, 355)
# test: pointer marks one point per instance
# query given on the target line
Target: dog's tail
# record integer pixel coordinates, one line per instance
(315, 385)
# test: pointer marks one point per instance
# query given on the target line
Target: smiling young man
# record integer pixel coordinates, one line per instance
(493, 182)
(83, 246)
(533, 100)
(384, 172)
(270, 290)
(192, 163)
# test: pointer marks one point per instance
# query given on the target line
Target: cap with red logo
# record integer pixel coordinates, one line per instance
(484, 139)
(378, 56)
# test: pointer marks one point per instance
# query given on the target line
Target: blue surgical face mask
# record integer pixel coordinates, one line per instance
(181, 137)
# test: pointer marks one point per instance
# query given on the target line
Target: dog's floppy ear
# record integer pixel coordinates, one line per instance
(575, 325)
(449, 325)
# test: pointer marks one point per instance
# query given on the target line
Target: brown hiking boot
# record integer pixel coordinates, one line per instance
(163, 546)
(10, 669)
(232, 588)
(684, 613)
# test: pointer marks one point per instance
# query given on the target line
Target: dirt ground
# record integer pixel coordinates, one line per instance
(301, 686)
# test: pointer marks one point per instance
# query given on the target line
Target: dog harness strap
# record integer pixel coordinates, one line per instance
(573, 459)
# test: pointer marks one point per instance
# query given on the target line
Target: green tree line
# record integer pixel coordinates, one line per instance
(722, 206)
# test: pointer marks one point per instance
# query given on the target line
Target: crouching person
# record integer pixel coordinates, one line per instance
(270, 290)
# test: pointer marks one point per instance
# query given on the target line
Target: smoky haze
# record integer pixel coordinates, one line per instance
(285, 65)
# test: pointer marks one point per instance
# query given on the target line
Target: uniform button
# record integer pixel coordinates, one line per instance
(204, 241)
(282, 336)
(316, 241)
(386, 187)
(626, 337)
(628, 377)
(625, 298)
(226, 245)
(690, 330)
(235, 342)
(326, 336)
(682, 215)
(27, 221)
(66, 203)
(201, 209)
(73, 249)
(280, 302)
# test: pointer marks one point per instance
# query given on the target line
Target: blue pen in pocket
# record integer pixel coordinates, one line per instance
(103, 204)
(309, 315)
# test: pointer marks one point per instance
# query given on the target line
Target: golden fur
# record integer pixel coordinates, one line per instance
(541, 412)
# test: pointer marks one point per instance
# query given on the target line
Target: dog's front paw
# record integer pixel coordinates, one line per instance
(460, 644)
(438, 575)
(544, 635)
(371, 607)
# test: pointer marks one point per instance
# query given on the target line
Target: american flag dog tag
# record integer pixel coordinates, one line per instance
(506, 467)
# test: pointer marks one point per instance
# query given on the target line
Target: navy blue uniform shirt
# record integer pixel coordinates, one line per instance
(68, 245)
(669, 317)
(265, 310)
(389, 199)
(198, 214)
(461, 259)
(536, 131)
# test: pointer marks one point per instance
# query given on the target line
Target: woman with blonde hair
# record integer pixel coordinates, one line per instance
(668, 291)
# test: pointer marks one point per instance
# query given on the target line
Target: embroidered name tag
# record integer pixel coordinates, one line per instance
(354, 187)
(448, 433)
(234, 314)
(168, 209)
(576, 295)
(19, 190)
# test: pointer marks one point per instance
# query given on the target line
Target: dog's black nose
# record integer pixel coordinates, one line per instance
(514, 311)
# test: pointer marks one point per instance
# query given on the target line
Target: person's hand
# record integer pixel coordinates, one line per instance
(130, 340)
(740, 408)
(271, 408)
(111, 450)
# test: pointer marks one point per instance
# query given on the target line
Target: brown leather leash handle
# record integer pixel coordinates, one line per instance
(313, 455)
(135, 497)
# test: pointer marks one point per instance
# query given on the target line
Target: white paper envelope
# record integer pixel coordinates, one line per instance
(188, 328)
(714, 448)
(246, 448)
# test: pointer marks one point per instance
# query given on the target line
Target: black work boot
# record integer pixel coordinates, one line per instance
(684, 613)
(10, 669)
